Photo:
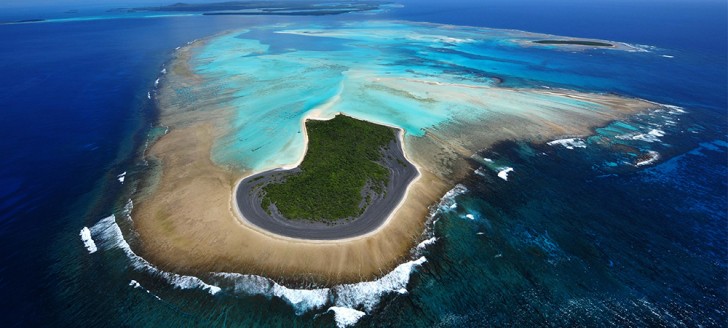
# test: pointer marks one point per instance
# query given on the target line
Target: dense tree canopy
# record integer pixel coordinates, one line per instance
(341, 160)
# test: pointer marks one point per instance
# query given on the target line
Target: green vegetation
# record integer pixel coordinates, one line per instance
(575, 42)
(340, 162)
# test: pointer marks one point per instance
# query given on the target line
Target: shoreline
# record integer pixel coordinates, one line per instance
(323, 228)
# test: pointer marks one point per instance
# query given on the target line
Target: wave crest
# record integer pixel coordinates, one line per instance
(349, 302)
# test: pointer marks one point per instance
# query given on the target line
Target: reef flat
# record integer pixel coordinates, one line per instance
(234, 105)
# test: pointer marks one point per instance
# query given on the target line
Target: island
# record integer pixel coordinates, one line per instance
(575, 43)
(257, 8)
(352, 178)
(242, 110)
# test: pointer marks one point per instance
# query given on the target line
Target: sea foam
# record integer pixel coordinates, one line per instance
(88, 242)
(653, 156)
(674, 110)
(351, 301)
(359, 296)
(503, 173)
(569, 143)
(447, 202)
(121, 177)
(346, 317)
(427, 242)
(479, 171)
(367, 294)
(136, 285)
(109, 235)
(652, 136)
(302, 300)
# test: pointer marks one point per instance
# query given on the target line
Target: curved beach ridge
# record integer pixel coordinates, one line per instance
(376, 215)
(188, 223)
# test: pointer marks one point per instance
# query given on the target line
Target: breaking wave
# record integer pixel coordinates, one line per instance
(569, 143)
(88, 242)
(109, 235)
(136, 285)
(503, 173)
(426, 243)
(447, 202)
(361, 297)
(302, 300)
(345, 317)
(653, 135)
(651, 157)
(348, 302)
(121, 177)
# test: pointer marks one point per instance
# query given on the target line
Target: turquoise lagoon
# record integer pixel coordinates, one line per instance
(413, 76)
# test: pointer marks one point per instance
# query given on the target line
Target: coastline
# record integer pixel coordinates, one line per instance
(191, 224)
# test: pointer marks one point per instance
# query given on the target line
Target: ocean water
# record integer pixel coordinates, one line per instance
(576, 236)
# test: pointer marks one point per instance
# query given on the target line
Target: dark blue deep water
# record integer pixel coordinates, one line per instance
(574, 238)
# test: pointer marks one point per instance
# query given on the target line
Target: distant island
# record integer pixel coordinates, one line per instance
(575, 42)
(352, 177)
(286, 8)
(24, 21)
(244, 8)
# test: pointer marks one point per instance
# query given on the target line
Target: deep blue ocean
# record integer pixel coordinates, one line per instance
(573, 238)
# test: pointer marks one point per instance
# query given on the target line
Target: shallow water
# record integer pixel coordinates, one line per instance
(274, 76)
